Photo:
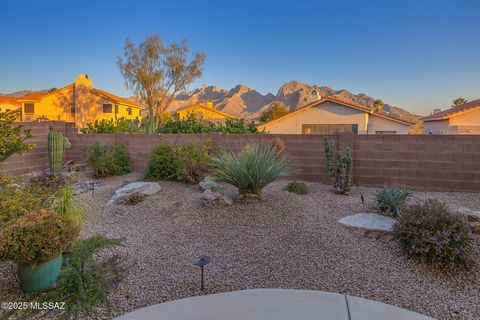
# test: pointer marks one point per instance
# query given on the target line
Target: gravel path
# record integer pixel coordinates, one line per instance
(285, 241)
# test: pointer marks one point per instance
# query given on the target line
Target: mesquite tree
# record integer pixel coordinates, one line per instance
(12, 137)
(156, 73)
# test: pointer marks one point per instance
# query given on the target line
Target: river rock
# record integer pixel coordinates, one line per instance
(134, 189)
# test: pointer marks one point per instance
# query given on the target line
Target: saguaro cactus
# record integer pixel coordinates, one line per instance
(57, 144)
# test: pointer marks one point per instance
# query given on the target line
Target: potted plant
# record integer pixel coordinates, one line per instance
(35, 242)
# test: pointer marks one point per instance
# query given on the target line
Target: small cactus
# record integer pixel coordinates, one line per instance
(57, 144)
(340, 170)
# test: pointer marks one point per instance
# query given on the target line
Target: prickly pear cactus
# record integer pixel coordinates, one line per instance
(57, 144)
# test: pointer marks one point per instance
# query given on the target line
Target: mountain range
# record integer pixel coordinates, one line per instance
(242, 101)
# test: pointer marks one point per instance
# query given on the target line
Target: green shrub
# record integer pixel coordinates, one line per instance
(391, 200)
(431, 233)
(191, 124)
(16, 201)
(36, 237)
(13, 137)
(108, 160)
(188, 163)
(85, 281)
(297, 187)
(252, 169)
(111, 126)
(340, 170)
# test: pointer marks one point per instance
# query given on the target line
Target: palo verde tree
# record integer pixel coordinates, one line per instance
(459, 101)
(12, 137)
(275, 111)
(156, 72)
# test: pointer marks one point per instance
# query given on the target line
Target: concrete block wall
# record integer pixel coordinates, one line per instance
(421, 162)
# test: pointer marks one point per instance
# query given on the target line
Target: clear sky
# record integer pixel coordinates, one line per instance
(417, 54)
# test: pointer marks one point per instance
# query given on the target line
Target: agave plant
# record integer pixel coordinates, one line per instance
(255, 166)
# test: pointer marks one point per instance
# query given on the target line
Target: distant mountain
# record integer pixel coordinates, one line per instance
(18, 94)
(243, 101)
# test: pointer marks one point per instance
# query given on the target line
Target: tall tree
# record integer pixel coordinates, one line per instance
(275, 111)
(12, 137)
(156, 73)
(459, 101)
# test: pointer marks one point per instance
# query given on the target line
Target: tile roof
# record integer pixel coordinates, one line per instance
(345, 103)
(204, 106)
(10, 100)
(454, 111)
(34, 96)
(115, 98)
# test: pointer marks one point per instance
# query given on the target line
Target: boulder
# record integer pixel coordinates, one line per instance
(374, 225)
(473, 218)
(211, 198)
(134, 189)
(208, 184)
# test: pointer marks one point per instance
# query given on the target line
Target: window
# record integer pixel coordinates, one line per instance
(29, 108)
(107, 108)
(385, 132)
(329, 128)
(72, 111)
(116, 108)
(129, 111)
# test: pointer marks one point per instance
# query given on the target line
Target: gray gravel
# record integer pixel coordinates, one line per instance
(285, 241)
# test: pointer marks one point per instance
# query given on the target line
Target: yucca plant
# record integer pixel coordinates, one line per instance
(250, 170)
(391, 200)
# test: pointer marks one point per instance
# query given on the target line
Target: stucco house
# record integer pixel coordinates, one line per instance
(203, 111)
(78, 102)
(329, 115)
(9, 104)
(463, 119)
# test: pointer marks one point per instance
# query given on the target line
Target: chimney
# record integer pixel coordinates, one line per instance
(83, 101)
(209, 104)
(436, 110)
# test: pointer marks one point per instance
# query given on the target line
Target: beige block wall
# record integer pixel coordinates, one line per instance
(376, 123)
(326, 113)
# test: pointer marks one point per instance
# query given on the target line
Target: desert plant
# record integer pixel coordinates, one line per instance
(57, 144)
(108, 160)
(13, 137)
(49, 181)
(297, 187)
(36, 237)
(85, 281)
(111, 126)
(188, 163)
(255, 166)
(340, 170)
(68, 206)
(431, 233)
(391, 200)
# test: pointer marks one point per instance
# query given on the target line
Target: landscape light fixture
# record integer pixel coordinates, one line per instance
(201, 262)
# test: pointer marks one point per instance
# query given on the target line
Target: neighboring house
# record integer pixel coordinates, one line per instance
(203, 111)
(463, 119)
(78, 102)
(9, 104)
(329, 115)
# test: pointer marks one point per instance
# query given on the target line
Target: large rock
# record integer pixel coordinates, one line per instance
(473, 218)
(374, 225)
(134, 189)
(210, 198)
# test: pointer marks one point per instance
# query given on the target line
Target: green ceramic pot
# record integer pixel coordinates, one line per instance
(37, 278)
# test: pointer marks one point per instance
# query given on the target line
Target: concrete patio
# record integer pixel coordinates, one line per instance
(270, 304)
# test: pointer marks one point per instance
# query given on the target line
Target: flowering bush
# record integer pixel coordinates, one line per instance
(431, 233)
(36, 237)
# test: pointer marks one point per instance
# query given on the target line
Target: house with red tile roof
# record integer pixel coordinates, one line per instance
(78, 102)
(330, 115)
(462, 119)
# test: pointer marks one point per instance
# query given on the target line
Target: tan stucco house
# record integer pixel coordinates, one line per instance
(78, 102)
(463, 119)
(329, 115)
(204, 112)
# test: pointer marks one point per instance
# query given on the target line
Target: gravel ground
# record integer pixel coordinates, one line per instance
(284, 241)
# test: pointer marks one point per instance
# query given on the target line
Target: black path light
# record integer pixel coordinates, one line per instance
(201, 262)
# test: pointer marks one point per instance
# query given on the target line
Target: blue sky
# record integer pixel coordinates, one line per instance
(415, 54)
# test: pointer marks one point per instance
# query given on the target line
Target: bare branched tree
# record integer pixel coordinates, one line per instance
(157, 73)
